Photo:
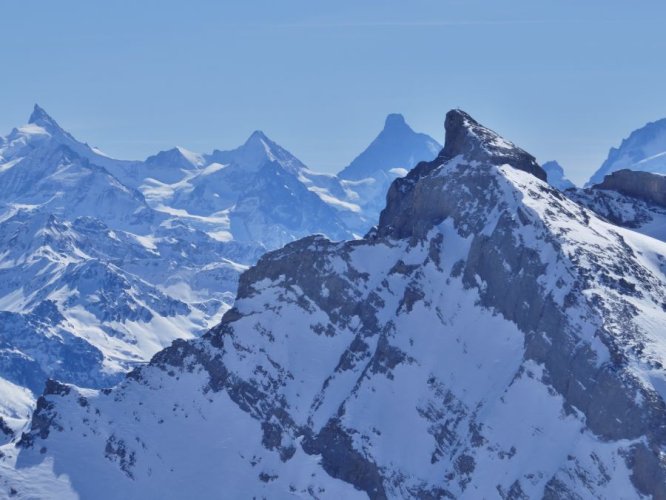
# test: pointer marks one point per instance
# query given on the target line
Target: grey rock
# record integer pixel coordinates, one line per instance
(645, 186)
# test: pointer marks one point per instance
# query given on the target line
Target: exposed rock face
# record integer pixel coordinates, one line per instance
(645, 186)
(465, 136)
(412, 207)
(492, 338)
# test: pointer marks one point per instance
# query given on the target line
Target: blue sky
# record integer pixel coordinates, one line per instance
(564, 79)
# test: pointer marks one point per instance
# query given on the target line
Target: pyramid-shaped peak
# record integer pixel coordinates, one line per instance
(397, 146)
(255, 152)
(176, 156)
(465, 136)
(556, 175)
(259, 142)
(394, 120)
(261, 145)
(40, 117)
(257, 135)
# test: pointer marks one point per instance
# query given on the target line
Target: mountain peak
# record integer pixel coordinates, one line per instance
(394, 120)
(396, 147)
(425, 196)
(175, 157)
(259, 143)
(256, 151)
(258, 137)
(465, 136)
(556, 176)
(40, 117)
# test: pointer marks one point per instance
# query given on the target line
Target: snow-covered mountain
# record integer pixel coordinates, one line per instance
(255, 153)
(171, 166)
(43, 166)
(644, 149)
(92, 279)
(42, 127)
(396, 150)
(105, 261)
(268, 196)
(491, 338)
(393, 153)
(556, 177)
(85, 303)
(259, 189)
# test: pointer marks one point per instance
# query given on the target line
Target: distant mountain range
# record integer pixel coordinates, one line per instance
(104, 262)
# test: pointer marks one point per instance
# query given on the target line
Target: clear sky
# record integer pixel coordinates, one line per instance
(564, 79)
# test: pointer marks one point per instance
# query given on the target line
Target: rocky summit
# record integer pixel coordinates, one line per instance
(491, 338)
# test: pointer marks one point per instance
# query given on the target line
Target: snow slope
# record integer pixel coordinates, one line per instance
(639, 215)
(492, 338)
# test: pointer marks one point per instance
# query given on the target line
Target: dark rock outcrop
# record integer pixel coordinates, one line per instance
(412, 207)
(465, 136)
(645, 186)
